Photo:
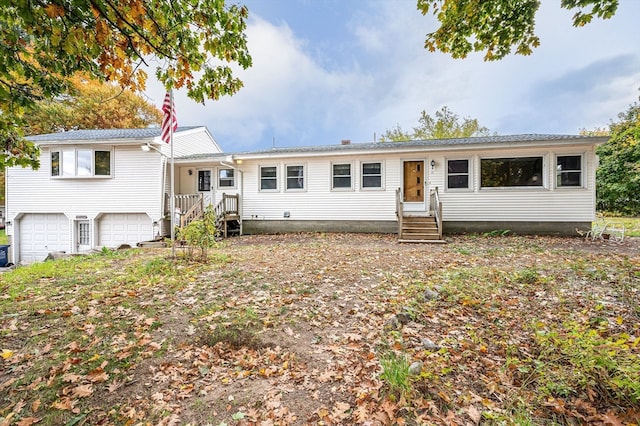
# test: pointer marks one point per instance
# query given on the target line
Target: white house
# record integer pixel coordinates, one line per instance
(94, 188)
(418, 189)
(524, 183)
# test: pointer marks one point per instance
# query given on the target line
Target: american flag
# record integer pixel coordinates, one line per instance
(169, 119)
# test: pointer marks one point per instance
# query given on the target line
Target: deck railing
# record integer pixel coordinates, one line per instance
(436, 206)
(399, 210)
(227, 210)
(195, 211)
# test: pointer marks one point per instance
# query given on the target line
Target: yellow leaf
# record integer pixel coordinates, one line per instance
(619, 320)
(6, 354)
(94, 358)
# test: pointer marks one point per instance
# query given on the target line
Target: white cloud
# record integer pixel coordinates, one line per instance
(302, 92)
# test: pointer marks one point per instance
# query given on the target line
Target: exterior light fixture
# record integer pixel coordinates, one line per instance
(433, 164)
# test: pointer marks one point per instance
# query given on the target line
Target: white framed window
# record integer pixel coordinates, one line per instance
(569, 171)
(341, 176)
(295, 177)
(458, 173)
(512, 172)
(226, 178)
(81, 163)
(268, 178)
(372, 175)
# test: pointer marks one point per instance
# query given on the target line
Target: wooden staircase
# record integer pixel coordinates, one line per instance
(419, 229)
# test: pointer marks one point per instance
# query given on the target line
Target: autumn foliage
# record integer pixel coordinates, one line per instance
(42, 44)
(327, 329)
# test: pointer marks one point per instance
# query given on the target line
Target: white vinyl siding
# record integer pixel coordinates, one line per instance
(319, 201)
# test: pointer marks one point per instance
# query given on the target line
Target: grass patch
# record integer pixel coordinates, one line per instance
(3, 237)
(395, 374)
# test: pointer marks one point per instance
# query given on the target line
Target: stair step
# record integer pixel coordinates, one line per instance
(419, 229)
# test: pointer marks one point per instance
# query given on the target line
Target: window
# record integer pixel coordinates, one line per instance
(457, 174)
(295, 177)
(510, 172)
(341, 176)
(268, 178)
(568, 170)
(226, 178)
(204, 180)
(80, 163)
(55, 163)
(372, 175)
(103, 163)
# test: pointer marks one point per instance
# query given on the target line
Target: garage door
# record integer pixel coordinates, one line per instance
(115, 229)
(41, 234)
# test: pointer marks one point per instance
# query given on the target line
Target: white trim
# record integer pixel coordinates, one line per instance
(234, 179)
(382, 176)
(470, 174)
(74, 150)
(582, 171)
(304, 177)
(544, 174)
(352, 168)
(276, 178)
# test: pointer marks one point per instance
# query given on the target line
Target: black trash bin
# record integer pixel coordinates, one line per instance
(4, 255)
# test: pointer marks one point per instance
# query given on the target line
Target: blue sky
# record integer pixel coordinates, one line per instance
(327, 70)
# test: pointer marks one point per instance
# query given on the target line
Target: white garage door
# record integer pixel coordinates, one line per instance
(41, 234)
(115, 229)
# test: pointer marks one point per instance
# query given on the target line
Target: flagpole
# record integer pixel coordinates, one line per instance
(173, 195)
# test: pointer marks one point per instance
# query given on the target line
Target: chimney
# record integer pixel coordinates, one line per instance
(346, 142)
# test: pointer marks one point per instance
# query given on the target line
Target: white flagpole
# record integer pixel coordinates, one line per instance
(173, 195)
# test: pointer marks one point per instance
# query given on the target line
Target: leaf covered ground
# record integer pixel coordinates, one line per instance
(327, 329)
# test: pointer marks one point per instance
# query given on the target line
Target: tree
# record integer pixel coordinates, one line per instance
(91, 104)
(618, 175)
(444, 125)
(496, 26)
(42, 44)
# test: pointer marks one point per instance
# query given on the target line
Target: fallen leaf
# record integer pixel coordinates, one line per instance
(6, 354)
(474, 414)
(82, 391)
(27, 421)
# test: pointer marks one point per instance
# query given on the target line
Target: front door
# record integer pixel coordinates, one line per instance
(83, 235)
(205, 185)
(414, 185)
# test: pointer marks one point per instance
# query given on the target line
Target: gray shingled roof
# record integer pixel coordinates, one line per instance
(381, 146)
(102, 134)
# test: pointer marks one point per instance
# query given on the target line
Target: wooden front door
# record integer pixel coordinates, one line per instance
(414, 181)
